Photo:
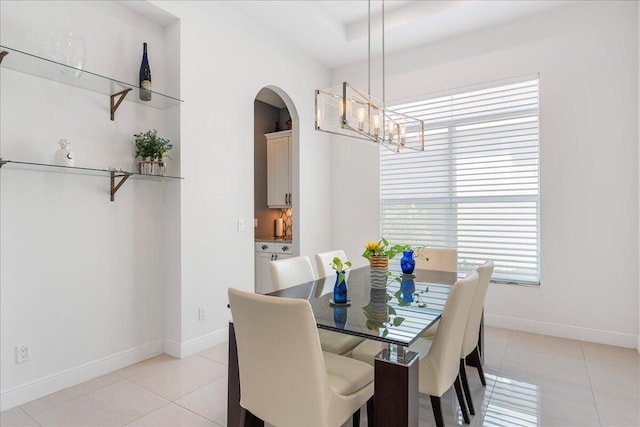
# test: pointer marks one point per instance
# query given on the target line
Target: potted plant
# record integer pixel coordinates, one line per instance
(379, 253)
(151, 149)
(340, 267)
(340, 287)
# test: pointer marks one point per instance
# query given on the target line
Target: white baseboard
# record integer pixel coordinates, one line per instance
(27, 392)
(563, 331)
(195, 345)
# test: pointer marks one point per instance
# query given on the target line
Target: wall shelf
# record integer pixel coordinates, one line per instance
(17, 60)
(119, 176)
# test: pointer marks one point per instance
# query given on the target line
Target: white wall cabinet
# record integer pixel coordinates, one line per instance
(265, 253)
(279, 169)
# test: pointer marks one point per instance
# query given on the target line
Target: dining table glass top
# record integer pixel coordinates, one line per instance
(396, 314)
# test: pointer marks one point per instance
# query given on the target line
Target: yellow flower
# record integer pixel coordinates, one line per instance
(373, 246)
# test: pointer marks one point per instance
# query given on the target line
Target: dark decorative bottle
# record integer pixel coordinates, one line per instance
(145, 76)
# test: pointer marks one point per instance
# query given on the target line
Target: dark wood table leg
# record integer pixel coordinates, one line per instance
(395, 399)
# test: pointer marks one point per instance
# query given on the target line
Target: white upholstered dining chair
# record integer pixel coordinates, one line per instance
(285, 377)
(472, 330)
(324, 260)
(294, 271)
(439, 368)
(289, 272)
(442, 259)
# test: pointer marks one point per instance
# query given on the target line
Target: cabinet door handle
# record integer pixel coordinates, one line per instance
(285, 248)
(264, 247)
(290, 199)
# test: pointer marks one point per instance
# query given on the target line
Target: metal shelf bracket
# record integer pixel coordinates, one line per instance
(115, 187)
(115, 104)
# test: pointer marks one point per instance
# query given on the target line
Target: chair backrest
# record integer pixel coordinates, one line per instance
(324, 259)
(444, 354)
(442, 259)
(283, 377)
(291, 271)
(470, 340)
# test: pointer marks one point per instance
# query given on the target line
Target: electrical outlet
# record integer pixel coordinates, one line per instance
(240, 225)
(23, 353)
(202, 314)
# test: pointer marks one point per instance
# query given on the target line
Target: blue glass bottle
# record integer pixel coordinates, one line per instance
(407, 263)
(340, 289)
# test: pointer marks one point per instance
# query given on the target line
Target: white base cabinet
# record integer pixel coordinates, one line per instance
(265, 253)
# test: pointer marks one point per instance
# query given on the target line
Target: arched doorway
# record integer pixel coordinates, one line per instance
(276, 204)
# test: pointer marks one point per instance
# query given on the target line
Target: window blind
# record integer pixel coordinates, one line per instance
(476, 185)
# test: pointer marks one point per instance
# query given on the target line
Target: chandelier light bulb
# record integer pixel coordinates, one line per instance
(361, 116)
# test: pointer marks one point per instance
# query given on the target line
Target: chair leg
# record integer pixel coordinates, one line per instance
(478, 364)
(465, 387)
(356, 418)
(463, 405)
(370, 410)
(437, 410)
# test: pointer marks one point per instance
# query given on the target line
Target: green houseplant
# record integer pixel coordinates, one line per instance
(383, 248)
(149, 144)
(340, 267)
(151, 149)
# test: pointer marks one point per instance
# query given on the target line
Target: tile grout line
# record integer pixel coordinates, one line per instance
(593, 394)
(194, 412)
(70, 399)
(144, 415)
(28, 415)
(495, 384)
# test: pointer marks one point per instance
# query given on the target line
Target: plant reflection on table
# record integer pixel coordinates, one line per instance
(381, 315)
(407, 292)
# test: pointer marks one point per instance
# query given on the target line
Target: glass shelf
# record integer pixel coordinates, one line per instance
(113, 174)
(24, 62)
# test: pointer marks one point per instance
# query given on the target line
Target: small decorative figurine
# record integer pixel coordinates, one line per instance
(64, 156)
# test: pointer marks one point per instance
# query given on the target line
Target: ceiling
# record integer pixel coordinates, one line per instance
(334, 32)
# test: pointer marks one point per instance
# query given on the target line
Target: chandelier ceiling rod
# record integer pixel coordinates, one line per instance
(369, 50)
(384, 97)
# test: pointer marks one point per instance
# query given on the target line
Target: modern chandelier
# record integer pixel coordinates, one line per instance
(348, 111)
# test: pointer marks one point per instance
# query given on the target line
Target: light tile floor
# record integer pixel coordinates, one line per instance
(532, 380)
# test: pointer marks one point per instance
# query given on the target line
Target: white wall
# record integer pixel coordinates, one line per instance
(225, 60)
(82, 278)
(587, 57)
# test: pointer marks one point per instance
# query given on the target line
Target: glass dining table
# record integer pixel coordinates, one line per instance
(395, 314)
